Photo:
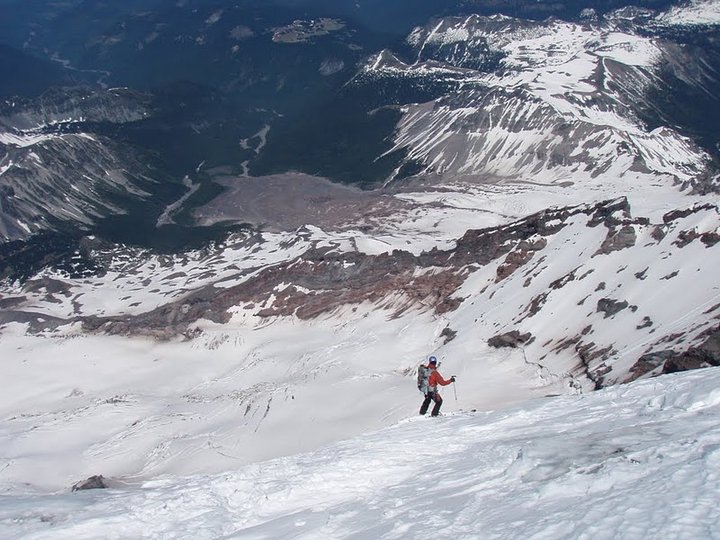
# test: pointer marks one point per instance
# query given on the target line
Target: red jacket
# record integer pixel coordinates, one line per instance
(435, 378)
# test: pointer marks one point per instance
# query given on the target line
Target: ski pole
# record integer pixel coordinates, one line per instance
(455, 390)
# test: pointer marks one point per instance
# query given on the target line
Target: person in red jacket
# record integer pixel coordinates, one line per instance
(432, 394)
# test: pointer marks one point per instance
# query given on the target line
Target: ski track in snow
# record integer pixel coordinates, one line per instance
(636, 461)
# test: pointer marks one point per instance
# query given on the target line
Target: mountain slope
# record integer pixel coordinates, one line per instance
(255, 337)
(633, 461)
(58, 168)
(551, 227)
(628, 277)
(546, 101)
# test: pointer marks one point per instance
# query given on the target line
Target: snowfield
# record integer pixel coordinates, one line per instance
(263, 387)
(694, 13)
(553, 82)
(634, 461)
(135, 408)
(122, 407)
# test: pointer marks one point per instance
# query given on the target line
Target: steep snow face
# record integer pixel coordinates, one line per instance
(138, 408)
(543, 101)
(633, 461)
(599, 298)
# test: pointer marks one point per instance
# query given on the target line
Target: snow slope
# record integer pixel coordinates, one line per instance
(204, 426)
(596, 289)
(694, 13)
(636, 461)
(133, 407)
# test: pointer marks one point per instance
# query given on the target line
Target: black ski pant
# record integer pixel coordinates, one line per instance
(431, 396)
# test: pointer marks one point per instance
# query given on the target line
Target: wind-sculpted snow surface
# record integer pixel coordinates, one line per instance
(545, 101)
(638, 461)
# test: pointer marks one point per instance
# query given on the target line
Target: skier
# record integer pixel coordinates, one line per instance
(431, 393)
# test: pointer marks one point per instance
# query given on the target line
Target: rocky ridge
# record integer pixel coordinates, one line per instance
(548, 101)
(522, 115)
(612, 326)
(58, 171)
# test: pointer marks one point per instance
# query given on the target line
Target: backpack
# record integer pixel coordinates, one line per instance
(422, 378)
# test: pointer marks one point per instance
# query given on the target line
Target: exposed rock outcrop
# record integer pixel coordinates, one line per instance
(610, 306)
(511, 339)
(705, 354)
(449, 334)
(616, 240)
(93, 482)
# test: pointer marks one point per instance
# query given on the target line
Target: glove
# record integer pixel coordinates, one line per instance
(452, 379)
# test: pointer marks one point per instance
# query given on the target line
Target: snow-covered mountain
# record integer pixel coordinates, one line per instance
(594, 289)
(547, 101)
(281, 342)
(56, 172)
(548, 226)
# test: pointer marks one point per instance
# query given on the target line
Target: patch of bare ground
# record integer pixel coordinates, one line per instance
(285, 202)
(291, 200)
